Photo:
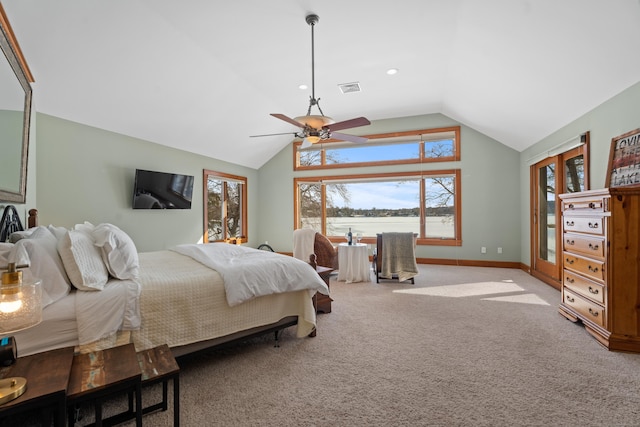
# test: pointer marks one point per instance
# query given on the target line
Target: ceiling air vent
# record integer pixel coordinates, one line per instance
(349, 87)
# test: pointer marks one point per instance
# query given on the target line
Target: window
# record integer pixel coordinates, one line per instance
(425, 203)
(420, 146)
(225, 207)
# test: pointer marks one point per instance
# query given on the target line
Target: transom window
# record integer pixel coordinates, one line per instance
(225, 207)
(421, 146)
(425, 203)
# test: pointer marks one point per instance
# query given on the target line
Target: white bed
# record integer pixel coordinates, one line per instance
(171, 298)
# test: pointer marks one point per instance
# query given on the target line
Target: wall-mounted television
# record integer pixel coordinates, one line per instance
(162, 190)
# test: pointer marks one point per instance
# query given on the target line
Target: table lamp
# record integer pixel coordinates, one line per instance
(20, 308)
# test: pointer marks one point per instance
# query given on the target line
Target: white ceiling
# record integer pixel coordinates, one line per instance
(203, 75)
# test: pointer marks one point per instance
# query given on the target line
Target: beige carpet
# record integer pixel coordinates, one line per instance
(464, 346)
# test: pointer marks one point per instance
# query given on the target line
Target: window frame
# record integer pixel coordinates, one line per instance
(407, 134)
(422, 240)
(225, 177)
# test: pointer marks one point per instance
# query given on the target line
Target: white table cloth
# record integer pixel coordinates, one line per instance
(353, 263)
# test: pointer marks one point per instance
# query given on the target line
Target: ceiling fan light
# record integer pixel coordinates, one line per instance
(312, 139)
(314, 121)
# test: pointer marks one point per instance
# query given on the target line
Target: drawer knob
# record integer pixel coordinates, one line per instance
(592, 205)
(593, 313)
(570, 242)
(593, 225)
(569, 280)
(569, 223)
(569, 261)
(594, 291)
(594, 247)
(570, 205)
(593, 269)
(570, 299)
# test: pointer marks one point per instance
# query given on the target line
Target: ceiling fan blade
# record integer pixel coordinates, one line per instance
(287, 119)
(353, 123)
(274, 134)
(345, 137)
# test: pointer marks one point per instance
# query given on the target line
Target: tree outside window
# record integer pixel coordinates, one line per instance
(225, 215)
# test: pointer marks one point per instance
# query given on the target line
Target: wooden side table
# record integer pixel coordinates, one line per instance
(101, 374)
(321, 301)
(158, 364)
(47, 375)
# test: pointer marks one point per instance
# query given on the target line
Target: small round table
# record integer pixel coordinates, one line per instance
(353, 263)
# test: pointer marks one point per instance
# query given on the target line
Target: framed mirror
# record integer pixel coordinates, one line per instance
(15, 116)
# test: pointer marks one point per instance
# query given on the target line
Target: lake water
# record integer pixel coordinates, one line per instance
(437, 227)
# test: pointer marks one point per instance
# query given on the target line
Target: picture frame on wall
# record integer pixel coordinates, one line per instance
(624, 161)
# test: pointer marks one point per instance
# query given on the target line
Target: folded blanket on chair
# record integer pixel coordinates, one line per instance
(398, 256)
(303, 243)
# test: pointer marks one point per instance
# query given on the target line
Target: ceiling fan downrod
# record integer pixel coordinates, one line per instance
(312, 20)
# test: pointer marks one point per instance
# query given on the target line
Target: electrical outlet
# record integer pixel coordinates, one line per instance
(483, 250)
(499, 250)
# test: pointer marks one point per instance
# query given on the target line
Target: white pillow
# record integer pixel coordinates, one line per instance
(17, 235)
(118, 251)
(86, 227)
(58, 232)
(44, 267)
(49, 241)
(82, 260)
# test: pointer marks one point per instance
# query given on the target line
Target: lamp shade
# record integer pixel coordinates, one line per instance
(20, 306)
(314, 121)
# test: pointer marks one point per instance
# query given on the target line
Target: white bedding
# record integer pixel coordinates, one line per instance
(248, 273)
(83, 317)
(103, 313)
(184, 302)
(176, 301)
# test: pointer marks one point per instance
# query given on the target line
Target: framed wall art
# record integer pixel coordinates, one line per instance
(624, 161)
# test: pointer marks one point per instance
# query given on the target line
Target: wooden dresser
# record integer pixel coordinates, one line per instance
(601, 264)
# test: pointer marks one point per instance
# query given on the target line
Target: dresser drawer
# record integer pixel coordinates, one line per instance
(589, 310)
(589, 224)
(587, 288)
(586, 266)
(592, 246)
(585, 204)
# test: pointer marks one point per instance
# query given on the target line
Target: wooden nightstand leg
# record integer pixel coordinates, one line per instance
(60, 414)
(165, 394)
(98, 412)
(176, 401)
(139, 404)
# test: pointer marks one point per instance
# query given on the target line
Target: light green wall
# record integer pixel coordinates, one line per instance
(87, 174)
(612, 118)
(490, 185)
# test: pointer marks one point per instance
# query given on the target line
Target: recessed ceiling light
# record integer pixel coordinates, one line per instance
(303, 87)
(392, 71)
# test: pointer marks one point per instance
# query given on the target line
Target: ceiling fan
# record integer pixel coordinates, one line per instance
(315, 128)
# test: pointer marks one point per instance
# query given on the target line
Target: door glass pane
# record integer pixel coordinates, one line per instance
(574, 169)
(547, 214)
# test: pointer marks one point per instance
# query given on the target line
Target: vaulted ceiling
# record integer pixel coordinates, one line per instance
(203, 76)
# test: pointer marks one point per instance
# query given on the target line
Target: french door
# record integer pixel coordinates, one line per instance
(566, 172)
(545, 218)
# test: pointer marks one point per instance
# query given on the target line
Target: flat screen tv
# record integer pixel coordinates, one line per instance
(162, 190)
